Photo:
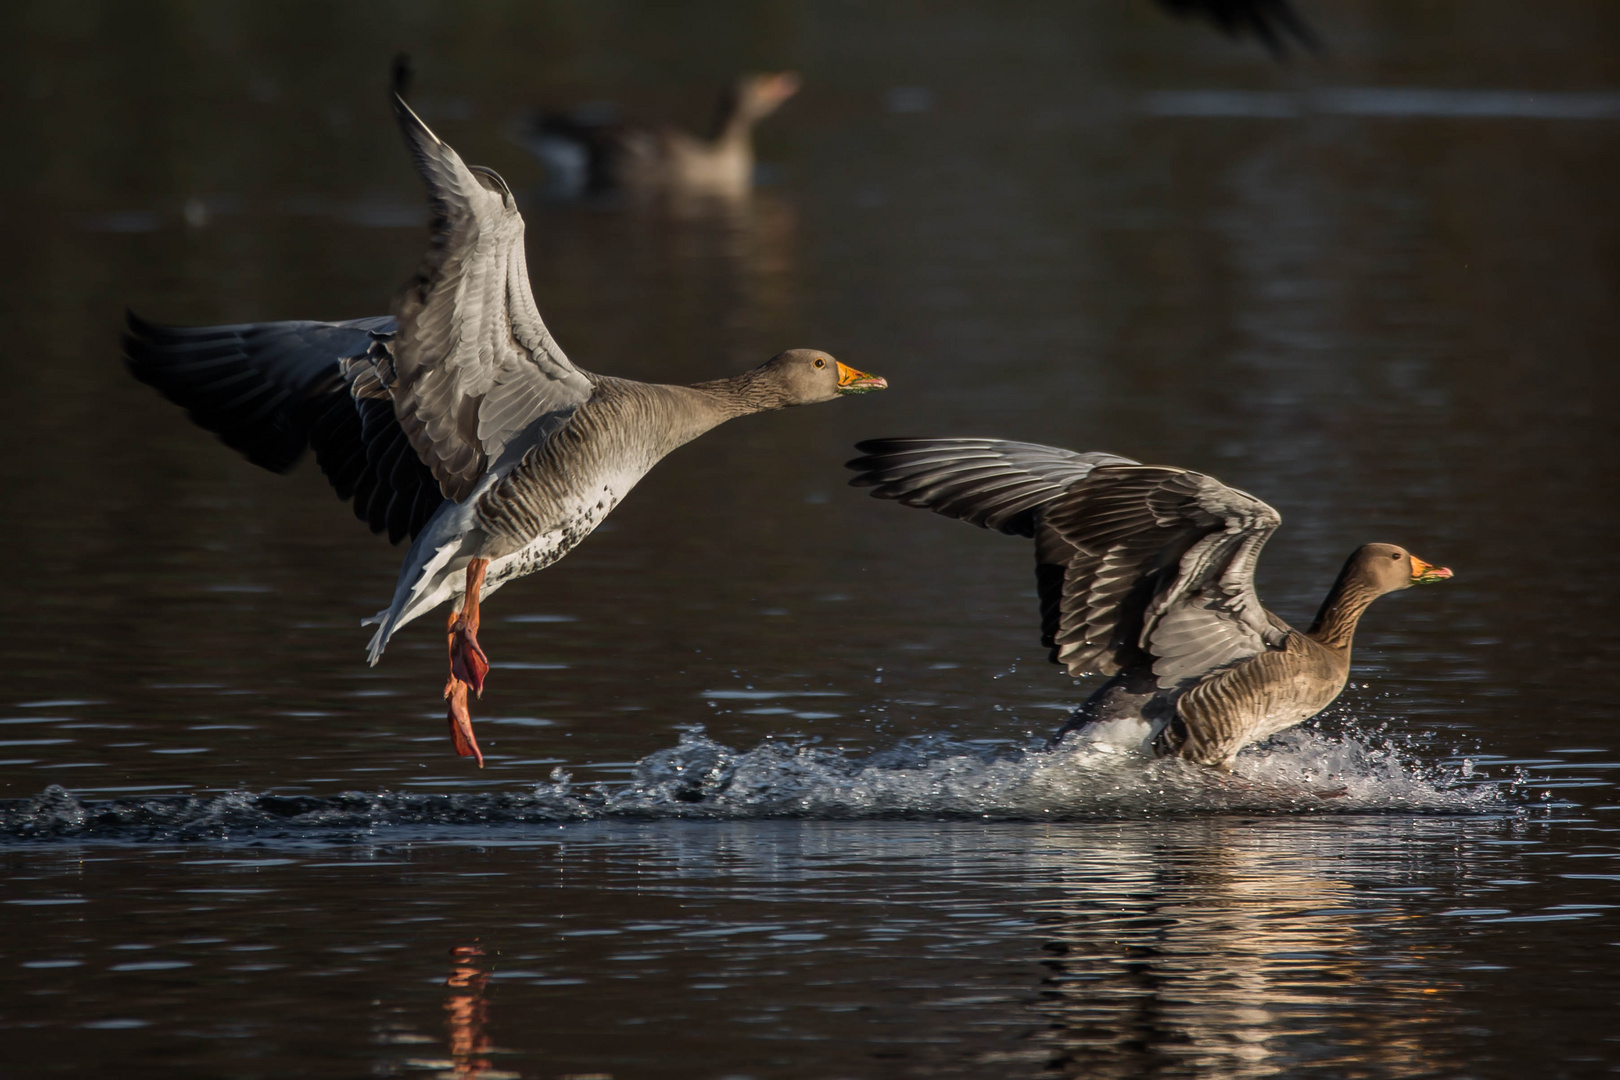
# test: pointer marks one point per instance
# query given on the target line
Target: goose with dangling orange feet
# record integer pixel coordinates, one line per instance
(457, 420)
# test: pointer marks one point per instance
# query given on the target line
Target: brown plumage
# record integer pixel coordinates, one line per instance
(586, 154)
(1146, 574)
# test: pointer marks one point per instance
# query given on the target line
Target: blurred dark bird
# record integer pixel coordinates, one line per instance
(401, 73)
(592, 151)
(457, 420)
(1274, 22)
(1146, 574)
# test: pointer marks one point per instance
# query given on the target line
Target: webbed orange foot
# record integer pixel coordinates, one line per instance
(468, 664)
(461, 729)
(467, 660)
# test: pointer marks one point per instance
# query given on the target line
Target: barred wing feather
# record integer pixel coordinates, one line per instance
(991, 483)
(1160, 568)
(474, 366)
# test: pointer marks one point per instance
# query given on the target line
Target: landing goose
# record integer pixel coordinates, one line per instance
(588, 153)
(457, 420)
(1146, 574)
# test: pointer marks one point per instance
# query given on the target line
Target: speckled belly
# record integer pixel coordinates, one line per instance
(550, 546)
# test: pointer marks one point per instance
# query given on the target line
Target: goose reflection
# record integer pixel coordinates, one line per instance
(743, 252)
(715, 272)
(1231, 949)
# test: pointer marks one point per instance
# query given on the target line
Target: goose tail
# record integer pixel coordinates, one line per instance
(427, 578)
(384, 623)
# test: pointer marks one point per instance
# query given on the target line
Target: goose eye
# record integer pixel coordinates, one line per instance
(820, 362)
(1395, 556)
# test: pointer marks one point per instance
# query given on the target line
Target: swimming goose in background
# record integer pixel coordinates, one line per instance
(457, 420)
(589, 152)
(1146, 574)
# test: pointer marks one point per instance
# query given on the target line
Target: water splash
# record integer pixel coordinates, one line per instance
(930, 777)
(934, 776)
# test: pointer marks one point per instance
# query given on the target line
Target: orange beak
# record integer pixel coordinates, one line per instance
(851, 381)
(784, 86)
(1427, 573)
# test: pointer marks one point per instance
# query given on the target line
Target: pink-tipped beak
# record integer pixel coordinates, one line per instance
(783, 86)
(1427, 573)
(851, 381)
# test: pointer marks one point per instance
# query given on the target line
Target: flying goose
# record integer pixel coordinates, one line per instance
(457, 420)
(589, 153)
(1146, 574)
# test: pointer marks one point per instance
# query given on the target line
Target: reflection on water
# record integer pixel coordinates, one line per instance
(466, 1015)
(751, 242)
(1223, 946)
(1227, 950)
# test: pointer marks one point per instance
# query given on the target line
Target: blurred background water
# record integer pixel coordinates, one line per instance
(1376, 288)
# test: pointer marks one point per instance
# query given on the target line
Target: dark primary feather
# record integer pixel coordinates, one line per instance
(991, 483)
(272, 390)
(251, 384)
(1135, 564)
(1272, 21)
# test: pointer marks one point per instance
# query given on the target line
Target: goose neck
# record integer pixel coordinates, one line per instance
(743, 395)
(1341, 611)
(733, 127)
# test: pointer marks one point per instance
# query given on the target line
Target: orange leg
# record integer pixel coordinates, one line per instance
(467, 660)
(468, 664)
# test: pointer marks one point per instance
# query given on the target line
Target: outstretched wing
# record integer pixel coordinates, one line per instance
(474, 365)
(273, 390)
(251, 384)
(1156, 564)
(991, 483)
(1135, 564)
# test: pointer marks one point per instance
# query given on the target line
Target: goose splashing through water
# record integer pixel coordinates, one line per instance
(1146, 575)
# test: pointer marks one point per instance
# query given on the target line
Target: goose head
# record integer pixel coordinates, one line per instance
(1386, 568)
(806, 376)
(754, 97)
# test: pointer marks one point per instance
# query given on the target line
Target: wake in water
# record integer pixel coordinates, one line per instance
(936, 777)
(928, 778)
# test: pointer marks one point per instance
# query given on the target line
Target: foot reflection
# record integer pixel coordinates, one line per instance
(467, 1013)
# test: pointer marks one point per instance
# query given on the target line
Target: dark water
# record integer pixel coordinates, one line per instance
(757, 801)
